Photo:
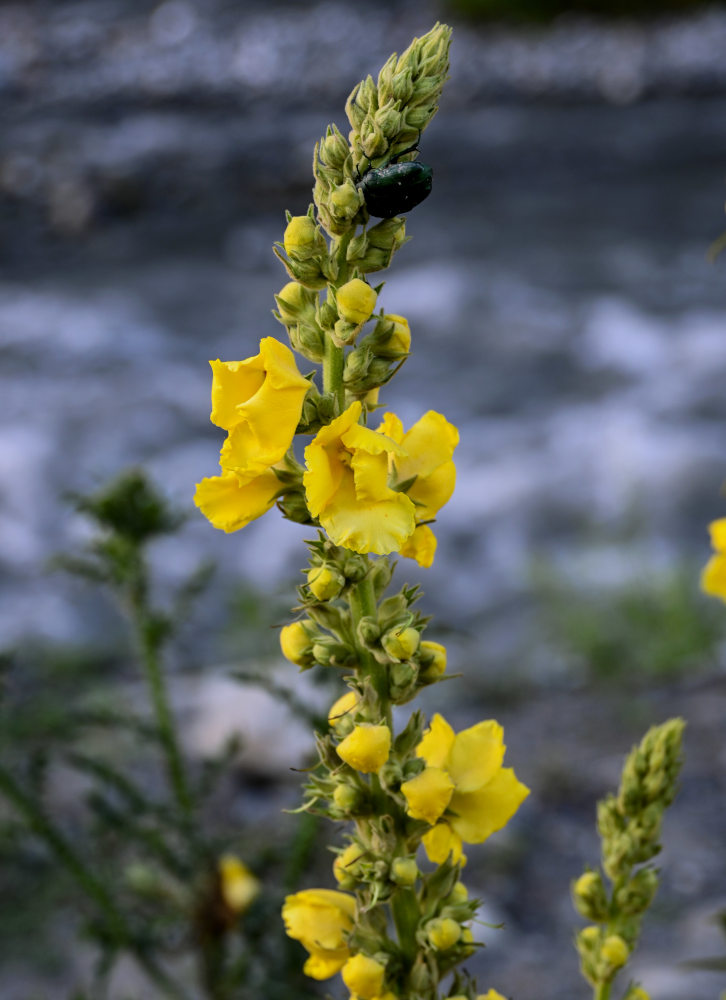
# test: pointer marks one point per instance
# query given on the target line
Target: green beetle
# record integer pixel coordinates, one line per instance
(395, 189)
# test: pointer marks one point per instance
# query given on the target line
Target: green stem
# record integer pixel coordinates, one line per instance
(333, 371)
(602, 992)
(43, 828)
(363, 604)
(156, 682)
(406, 915)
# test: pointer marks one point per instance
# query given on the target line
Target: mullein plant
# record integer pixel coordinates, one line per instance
(160, 883)
(615, 897)
(395, 927)
(373, 488)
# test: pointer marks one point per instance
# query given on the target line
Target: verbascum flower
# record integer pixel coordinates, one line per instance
(258, 402)
(363, 976)
(713, 577)
(427, 460)
(320, 920)
(366, 747)
(491, 995)
(484, 795)
(238, 885)
(346, 484)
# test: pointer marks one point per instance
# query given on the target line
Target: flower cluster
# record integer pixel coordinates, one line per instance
(713, 577)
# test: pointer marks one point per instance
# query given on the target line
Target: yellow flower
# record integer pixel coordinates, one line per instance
(614, 950)
(356, 301)
(363, 976)
(346, 483)
(237, 883)
(258, 402)
(367, 747)
(295, 641)
(320, 920)
(428, 460)
(713, 577)
(399, 342)
(491, 995)
(485, 795)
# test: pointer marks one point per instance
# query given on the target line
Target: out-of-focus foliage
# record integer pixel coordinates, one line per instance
(652, 627)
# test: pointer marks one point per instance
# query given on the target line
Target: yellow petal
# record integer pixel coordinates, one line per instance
(431, 492)
(266, 421)
(421, 546)
(476, 755)
(713, 576)
(437, 742)
(392, 427)
(440, 842)
(318, 918)
(380, 527)
(328, 461)
(231, 504)
(428, 794)
(429, 443)
(345, 704)
(717, 530)
(324, 964)
(232, 382)
(477, 815)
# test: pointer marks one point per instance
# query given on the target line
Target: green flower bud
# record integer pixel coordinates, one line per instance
(590, 897)
(347, 798)
(325, 582)
(637, 894)
(401, 643)
(294, 507)
(368, 630)
(404, 871)
(302, 239)
(334, 149)
(292, 300)
(615, 951)
(356, 301)
(443, 933)
(345, 201)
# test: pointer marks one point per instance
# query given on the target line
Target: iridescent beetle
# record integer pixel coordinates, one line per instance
(396, 188)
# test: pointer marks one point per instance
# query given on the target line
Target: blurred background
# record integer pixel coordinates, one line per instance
(564, 315)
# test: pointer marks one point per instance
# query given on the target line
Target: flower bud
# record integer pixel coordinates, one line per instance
(302, 240)
(368, 630)
(637, 993)
(491, 995)
(398, 342)
(401, 643)
(443, 933)
(293, 299)
(404, 871)
(615, 951)
(334, 149)
(367, 747)
(340, 716)
(293, 506)
(363, 976)
(295, 641)
(432, 656)
(344, 866)
(458, 894)
(356, 301)
(347, 798)
(325, 582)
(372, 139)
(345, 201)
(637, 894)
(590, 897)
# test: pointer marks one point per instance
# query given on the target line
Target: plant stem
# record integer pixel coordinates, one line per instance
(333, 372)
(156, 682)
(602, 992)
(363, 604)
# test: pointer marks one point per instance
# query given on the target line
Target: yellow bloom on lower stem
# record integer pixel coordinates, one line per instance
(367, 747)
(428, 794)
(485, 795)
(491, 995)
(346, 484)
(713, 577)
(238, 885)
(421, 546)
(320, 920)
